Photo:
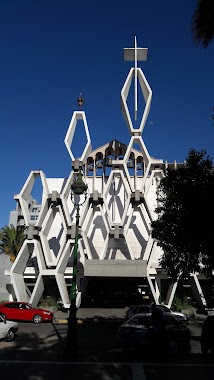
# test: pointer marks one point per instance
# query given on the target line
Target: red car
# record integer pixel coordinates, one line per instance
(23, 311)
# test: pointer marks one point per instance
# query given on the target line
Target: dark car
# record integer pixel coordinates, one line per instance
(207, 334)
(139, 309)
(140, 330)
(23, 311)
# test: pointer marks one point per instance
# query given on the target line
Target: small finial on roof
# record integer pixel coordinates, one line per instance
(80, 100)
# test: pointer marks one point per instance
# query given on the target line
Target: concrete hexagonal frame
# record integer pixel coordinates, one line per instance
(23, 196)
(116, 173)
(78, 115)
(147, 94)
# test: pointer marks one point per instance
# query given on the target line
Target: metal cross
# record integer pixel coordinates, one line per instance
(135, 54)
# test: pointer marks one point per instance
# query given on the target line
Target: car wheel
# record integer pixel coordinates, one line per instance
(204, 349)
(10, 336)
(37, 318)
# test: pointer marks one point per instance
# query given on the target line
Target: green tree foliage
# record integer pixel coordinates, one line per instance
(11, 240)
(184, 227)
(203, 23)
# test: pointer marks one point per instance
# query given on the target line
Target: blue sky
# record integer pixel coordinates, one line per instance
(53, 50)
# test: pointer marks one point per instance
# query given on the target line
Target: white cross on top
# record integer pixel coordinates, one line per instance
(135, 54)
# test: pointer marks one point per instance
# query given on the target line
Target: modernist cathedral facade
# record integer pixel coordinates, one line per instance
(116, 250)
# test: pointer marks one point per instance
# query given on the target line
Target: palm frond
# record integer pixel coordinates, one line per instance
(203, 23)
(11, 240)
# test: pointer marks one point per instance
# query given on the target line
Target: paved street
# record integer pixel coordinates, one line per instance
(37, 354)
(96, 342)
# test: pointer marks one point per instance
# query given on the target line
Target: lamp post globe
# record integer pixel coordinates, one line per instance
(78, 187)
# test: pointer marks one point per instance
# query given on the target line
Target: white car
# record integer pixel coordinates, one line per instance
(177, 314)
(146, 309)
(8, 329)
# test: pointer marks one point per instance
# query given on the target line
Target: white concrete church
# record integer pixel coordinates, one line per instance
(116, 251)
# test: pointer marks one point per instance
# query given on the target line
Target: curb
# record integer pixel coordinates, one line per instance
(60, 321)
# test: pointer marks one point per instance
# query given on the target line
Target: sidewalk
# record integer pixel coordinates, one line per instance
(61, 317)
(200, 317)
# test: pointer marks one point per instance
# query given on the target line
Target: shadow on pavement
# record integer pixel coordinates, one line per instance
(96, 336)
(97, 342)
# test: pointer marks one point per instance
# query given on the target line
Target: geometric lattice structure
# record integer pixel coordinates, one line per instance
(70, 134)
(115, 241)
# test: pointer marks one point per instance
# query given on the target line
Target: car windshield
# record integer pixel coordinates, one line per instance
(169, 320)
(28, 306)
(144, 309)
(138, 320)
(31, 306)
(164, 308)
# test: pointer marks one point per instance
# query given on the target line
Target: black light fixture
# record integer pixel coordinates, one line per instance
(80, 101)
(78, 187)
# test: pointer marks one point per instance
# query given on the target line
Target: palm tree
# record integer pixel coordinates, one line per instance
(11, 240)
(203, 23)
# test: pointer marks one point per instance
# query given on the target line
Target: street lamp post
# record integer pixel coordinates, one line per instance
(78, 187)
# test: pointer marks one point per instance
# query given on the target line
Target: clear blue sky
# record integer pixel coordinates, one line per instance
(53, 50)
